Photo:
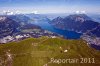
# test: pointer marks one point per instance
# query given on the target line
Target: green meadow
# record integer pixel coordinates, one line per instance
(39, 51)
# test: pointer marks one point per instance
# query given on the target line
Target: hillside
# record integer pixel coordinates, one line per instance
(16, 27)
(39, 51)
(7, 26)
(78, 22)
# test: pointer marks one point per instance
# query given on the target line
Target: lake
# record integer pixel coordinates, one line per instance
(67, 34)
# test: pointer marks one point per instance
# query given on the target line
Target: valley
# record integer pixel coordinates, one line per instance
(36, 40)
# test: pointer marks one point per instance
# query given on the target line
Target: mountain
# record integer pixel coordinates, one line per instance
(77, 22)
(80, 23)
(16, 27)
(95, 17)
(21, 18)
(79, 17)
(93, 37)
(45, 51)
(8, 26)
(96, 31)
(35, 18)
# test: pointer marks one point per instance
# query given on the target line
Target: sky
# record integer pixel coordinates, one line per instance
(50, 6)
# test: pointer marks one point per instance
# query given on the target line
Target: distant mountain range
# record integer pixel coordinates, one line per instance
(77, 22)
(21, 18)
(80, 23)
(17, 27)
(8, 26)
(37, 18)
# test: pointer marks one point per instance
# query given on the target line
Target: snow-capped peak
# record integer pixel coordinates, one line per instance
(2, 18)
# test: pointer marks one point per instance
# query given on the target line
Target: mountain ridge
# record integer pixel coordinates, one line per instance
(45, 48)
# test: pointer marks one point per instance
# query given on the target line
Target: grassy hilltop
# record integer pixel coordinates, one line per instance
(39, 51)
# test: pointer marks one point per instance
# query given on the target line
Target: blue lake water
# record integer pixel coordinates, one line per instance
(65, 33)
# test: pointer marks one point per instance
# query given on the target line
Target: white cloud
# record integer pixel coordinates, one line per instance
(35, 12)
(83, 11)
(77, 12)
